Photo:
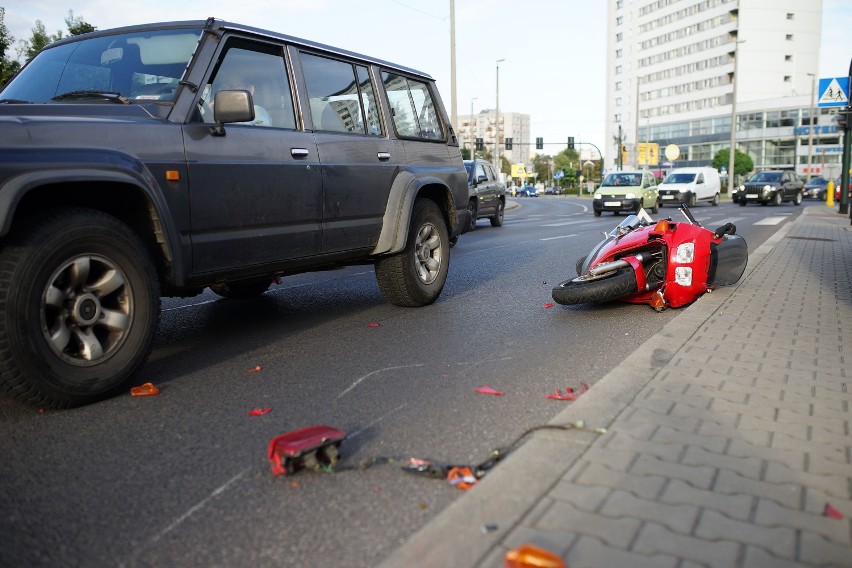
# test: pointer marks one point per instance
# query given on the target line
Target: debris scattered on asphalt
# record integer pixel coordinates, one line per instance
(373, 324)
(830, 511)
(315, 448)
(255, 370)
(461, 477)
(485, 389)
(570, 394)
(489, 527)
(148, 389)
(548, 305)
(529, 555)
(259, 411)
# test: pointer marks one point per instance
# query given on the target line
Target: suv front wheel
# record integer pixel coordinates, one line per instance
(416, 275)
(79, 304)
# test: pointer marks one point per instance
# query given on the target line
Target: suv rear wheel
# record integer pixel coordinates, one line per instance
(79, 303)
(497, 219)
(416, 275)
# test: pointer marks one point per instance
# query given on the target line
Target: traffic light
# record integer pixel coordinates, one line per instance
(570, 142)
(508, 143)
(842, 120)
(539, 143)
(479, 144)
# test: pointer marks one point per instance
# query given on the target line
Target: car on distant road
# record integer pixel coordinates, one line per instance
(626, 191)
(772, 186)
(527, 191)
(817, 187)
(553, 191)
(486, 193)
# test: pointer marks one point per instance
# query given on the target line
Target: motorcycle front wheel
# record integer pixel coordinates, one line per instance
(596, 289)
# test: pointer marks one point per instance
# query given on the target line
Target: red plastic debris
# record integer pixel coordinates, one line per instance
(372, 324)
(485, 389)
(830, 511)
(570, 394)
(148, 389)
(255, 370)
(259, 411)
(548, 305)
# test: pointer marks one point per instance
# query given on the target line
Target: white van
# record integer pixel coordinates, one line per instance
(690, 185)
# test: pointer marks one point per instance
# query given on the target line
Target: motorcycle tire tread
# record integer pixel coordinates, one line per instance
(620, 283)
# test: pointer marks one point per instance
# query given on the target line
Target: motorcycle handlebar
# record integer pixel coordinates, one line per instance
(726, 229)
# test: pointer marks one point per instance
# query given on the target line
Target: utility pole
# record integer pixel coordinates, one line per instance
(619, 157)
(844, 174)
(454, 117)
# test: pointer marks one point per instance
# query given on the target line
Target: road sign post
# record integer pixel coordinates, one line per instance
(834, 92)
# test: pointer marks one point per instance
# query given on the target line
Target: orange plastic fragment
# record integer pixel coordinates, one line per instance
(461, 477)
(531, 556)
(148, 389)
(259, 411)
(255, 370)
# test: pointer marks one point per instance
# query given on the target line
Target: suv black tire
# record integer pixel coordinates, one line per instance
(79, 301)
(497, 219)
(472, 209)
(416, 275)
(242, 288)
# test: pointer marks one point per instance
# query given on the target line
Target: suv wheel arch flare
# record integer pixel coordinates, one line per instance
(404, 192)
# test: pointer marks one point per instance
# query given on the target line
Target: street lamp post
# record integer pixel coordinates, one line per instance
(497, 122)
(453, 113)
(733, 117)
(473, 124)
(811, 127)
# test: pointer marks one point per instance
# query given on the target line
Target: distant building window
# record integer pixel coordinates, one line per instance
(618, 53)
(618, 101)
(619, 20)
(789, 15)
(618, 85)
(787, 78)
(618, 69)
(619, 4)
(788, 58)
(789, 37)
(619, 35)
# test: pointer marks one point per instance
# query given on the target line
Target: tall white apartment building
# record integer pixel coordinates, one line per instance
(673, 67)
(484, 125)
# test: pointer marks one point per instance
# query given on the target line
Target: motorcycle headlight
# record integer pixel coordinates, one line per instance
(630, 196)
(597, 196)
(685, 253)
(683, 275)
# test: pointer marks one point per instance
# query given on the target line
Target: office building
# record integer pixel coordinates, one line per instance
(512, 125)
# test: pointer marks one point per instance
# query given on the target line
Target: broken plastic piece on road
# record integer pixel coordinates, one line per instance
(373, 324)
(531, 556)
(485, 389)
(315, 447)
(255, 370)
(259, 411)
(830, 511)
(570, 394)
(548, 305)
(461, 477)
(148, 389)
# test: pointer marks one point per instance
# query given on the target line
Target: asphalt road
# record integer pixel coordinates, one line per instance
(181, 479)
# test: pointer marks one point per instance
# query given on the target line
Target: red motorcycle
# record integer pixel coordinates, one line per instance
(663, 264)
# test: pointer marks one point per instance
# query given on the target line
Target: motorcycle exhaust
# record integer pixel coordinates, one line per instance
(614, 265)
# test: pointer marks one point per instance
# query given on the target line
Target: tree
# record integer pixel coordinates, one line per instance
(8, 66)
(40, 37)
(743, 163)
(78, 26)
(541, 166)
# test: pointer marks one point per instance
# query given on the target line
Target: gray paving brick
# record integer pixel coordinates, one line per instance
(584, 497)
(815, 501)
(589, 552)
(795, 429)
(627, 443)
(749, 467)
(723, 406)
(696, 476)
(731, 483)
(793, 458)
(819, 551)
(657, 405)
(828, 462)
(612, 459)
(771, 514)
(817, 437)
(833, 485)
(667, 435)
(641, 485)
(566, 518)
(678, 492)
(712, 415)
(709, 392)
(678, 518)
(655, 539)
(836, 424)
(753, 436)
(680, 423)
(759, 558)
(715, 526)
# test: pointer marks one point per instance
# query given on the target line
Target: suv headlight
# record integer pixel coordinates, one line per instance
(685, 253)
(767, 188)
(597, 195)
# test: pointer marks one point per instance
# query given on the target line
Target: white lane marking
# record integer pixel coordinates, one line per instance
(376, 421)
(377, 371)
(560, 237)
(770, 221)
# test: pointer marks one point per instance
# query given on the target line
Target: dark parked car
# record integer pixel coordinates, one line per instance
(487, 194)
(775, 186)
(816, 188)
(161, 159)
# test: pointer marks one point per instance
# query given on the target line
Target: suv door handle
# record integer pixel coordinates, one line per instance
(298, 152)
(383, 156)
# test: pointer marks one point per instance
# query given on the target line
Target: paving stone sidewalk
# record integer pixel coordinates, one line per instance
(728, 434)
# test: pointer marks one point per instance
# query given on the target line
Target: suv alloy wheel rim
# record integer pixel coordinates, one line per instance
(427, 253)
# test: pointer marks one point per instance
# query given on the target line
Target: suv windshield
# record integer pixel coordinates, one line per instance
(615, 180)
(766, 177)
(141, 66)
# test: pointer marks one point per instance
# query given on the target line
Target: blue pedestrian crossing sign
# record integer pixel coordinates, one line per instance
(834, 92)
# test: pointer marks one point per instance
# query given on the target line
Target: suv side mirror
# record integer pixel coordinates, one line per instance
(231, 106)
(481, 179)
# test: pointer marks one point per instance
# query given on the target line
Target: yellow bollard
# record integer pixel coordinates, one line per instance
(829, 194)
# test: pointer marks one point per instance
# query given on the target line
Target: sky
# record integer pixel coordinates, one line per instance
(554, 50)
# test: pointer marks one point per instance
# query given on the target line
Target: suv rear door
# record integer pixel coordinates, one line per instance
(255, 192)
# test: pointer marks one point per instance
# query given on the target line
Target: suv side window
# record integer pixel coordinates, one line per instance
(341, 95)
(480, 171)
(413, 109)
(259, 69)
(489, 171)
